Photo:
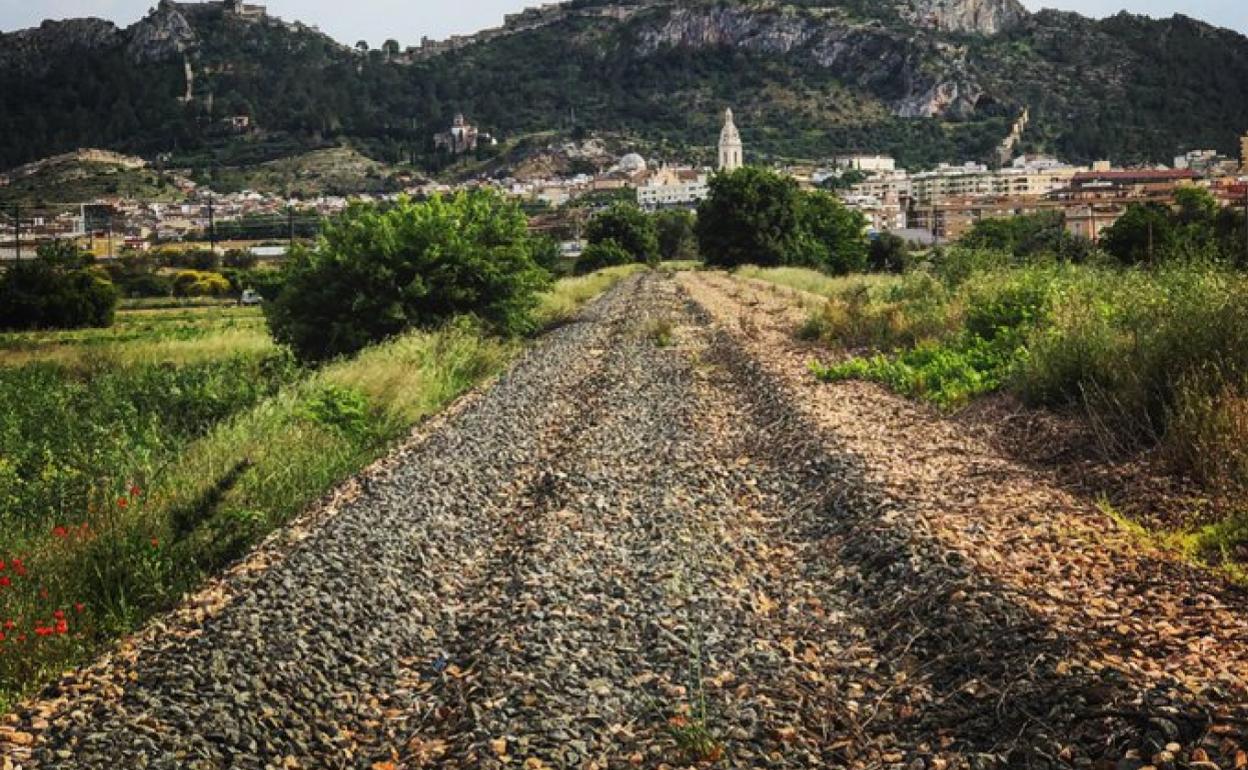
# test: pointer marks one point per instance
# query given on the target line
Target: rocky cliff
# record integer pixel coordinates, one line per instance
(986, 17)
(162, 35)
(916, 76)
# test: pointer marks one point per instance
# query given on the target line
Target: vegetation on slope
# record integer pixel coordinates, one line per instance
(1185, 89)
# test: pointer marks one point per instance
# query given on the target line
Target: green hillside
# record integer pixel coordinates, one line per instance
(807, 78)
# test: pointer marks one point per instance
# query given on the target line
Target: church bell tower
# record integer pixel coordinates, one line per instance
(729, 144)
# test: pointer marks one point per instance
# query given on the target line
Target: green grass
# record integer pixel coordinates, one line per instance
(177, 335)
(1156, 359)
(130, 473)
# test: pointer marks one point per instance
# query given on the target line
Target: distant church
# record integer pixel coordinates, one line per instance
(729, 144)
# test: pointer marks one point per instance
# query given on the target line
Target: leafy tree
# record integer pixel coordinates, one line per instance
(1145, 233)
(676, 237)
(832, 237)
(1028, 235)
(629, 228)
(596, 256)
(379, 271)
(887, 253)
(56, 290)
(1196, 206)
(750, 216)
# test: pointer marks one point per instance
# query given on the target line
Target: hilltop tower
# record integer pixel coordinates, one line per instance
(729, 144)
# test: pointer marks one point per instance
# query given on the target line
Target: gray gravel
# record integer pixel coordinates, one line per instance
(552, 577)
(624, 554)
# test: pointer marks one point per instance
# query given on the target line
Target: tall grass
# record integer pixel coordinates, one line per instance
(1157, 359)
(562, 302)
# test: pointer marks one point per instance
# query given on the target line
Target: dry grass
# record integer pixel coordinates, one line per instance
(568, 295)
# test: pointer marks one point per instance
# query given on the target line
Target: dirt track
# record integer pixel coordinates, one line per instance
(628, 553)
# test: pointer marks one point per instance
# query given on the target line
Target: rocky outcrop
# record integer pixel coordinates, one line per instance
(163, 35)
(985, 17)
(914, 76)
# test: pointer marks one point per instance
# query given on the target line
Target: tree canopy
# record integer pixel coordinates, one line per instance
(379, 271)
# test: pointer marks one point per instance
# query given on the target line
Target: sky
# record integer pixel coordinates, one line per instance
(408, 20)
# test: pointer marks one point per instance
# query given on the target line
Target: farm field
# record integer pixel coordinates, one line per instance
(140, 458)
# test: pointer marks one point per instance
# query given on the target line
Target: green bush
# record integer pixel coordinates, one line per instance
(599, 255)
(888, 253)
(630, 228)
(830, 236)
(677, 241)
(196, 283)
(379, 271)
(56, 290)
(757, 217)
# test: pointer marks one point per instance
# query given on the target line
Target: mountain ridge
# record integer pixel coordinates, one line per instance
(926, 80)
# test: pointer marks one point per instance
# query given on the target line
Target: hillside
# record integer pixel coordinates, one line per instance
(86, 175)
(924, 80)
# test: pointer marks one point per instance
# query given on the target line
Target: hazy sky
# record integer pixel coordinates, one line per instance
(408, 20)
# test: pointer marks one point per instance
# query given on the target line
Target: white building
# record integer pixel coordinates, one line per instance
(671, 188)
(866, 163)
(730, 149)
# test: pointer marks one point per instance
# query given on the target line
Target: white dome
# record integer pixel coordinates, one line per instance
(632, 162)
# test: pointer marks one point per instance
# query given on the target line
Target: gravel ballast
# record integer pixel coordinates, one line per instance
(630, 551)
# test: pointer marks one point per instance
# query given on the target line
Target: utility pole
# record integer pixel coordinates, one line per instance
(212, 226)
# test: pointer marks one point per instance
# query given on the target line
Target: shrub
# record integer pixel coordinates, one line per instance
(240, 259)
(193, 259)
(379, 271)
(955, 265)
(1007, 303)
(888, 253)
(196, 283)
(599, 255)
(56, 290)
(677, 241)
(630, 228)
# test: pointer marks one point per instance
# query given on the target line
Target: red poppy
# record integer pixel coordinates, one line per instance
(9, 625)
(43, 631)
(122, 502)
(59, 614)
(62, 627)
(19, 568)
(1, 636)
(60, 532)
(135, 491)
(155, 543)
(79, 607)
(5, 582)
